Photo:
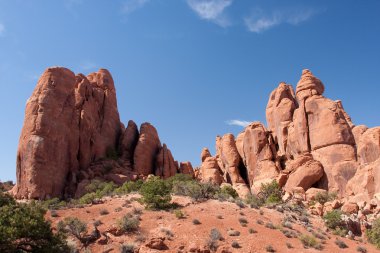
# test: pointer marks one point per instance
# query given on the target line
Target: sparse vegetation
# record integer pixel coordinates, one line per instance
(74, 226)
(127, 248)
(289, 245)
(235, 245)
(361, 249)
(219, 216)
(341, 244)
(228, 192)
(214, 237)
(271, 192)
(252, 231)
(270, 225)
(168, 233)
(196, 190)
(103, 211)
(373, 234)
(310, 241)
(270, 248)
(243, 221)
(254, 201)
(333, 221)
(232, 232)
(179, 214)
(129, 223)
(325, 197)
(128, 187)
(196, 222)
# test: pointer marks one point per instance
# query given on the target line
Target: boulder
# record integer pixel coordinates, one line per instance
(305, 176)
(311, 193)
(350, 208)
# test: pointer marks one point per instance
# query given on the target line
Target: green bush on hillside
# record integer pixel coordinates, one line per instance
(156, 193)
(23, 228)
(271, 192)
(373, 234)
(128, 187)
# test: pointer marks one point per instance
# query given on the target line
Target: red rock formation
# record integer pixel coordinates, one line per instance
(186, 168)
(311, 142)
(71, 125)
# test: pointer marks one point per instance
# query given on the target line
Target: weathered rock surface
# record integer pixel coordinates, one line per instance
(310, 142)
(71, 125)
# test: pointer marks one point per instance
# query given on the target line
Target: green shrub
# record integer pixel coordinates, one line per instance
(128, 187)
(361, 249)
(227, 191)
(128, 223)
(88, 198)
(271, 192)
(23, 228)
(196, 190)
(177, 178)
(53, 204)
(254, 201)
(179, 214)
(155, 193)
(325, 197)
(103, 211)
(373, 234)
(333, 219)
(74, 226)
(309, 241)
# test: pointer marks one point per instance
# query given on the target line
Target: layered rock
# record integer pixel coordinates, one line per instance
(72, 132)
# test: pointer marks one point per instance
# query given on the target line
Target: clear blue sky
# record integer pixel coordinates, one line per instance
(190, 66)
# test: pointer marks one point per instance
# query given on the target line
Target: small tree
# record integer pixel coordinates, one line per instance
(156, 193)
(23, 228)
(271, 192)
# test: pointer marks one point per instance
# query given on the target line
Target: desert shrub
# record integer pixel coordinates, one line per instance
(243, 221)
(53, 204)
(219, 216)
(309, 241)
(196, 222)
(54, 214)
(128, 223)
(289, 246)
(103, 211)
(232, 232)
(239, 203)
(156, 193)
(23, 228)
(128, 187)
(235, 245)
(216, 235)
(361, 249)
(252, 231)
(269, 248)
(74, 226)
(227, 191)
(271, 192)
(137, 211)
(178, 178)
(325, 197)
(260, 222)
(196, 190)
(167, 232)
(127, 248)
(270, 225)
(88, 198)
(341, 244)
(118, 209)
(373, 234)
(179, 214)
(333, 219)
(100, 188)
(254, 201)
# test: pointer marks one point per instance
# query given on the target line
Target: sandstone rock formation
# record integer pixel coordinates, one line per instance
(72, 133)
(310, 142)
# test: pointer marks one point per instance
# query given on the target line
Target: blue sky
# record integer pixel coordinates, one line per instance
(190, 67)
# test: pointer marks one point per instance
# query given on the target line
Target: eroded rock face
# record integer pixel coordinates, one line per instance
(146, 150)
(186, 168)
(210, 171)
(310, 142)
(71, 128)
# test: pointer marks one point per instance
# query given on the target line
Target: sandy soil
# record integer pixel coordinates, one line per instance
(186, 235)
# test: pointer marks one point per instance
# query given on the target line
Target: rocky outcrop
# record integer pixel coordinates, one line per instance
(72, 133)
(310, 142)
